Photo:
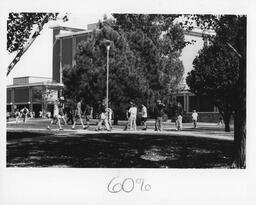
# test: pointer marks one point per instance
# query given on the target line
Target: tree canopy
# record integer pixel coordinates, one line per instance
(231, 34)
(88, 78)
(215, 74)
(144, 60)
(22, 30)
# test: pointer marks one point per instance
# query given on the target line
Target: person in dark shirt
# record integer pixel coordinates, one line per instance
(88, 114)
(61, 110)
(159, 113)
(70, 110)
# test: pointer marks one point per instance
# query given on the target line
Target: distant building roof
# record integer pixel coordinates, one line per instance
(65, 28)
(73, 34)
(92, 26)
(28, 81)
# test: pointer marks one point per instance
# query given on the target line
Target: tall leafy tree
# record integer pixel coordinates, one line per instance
(215, 74)
(158, 42)
(144, 60)
(231, 32)
(88, 78)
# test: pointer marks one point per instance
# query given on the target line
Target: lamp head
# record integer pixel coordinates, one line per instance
(107, 43)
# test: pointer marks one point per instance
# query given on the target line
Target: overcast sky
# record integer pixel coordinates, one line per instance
(37, 61)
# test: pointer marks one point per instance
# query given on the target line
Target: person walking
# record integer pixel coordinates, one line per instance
(159, 113)
(109, 116)
(194, 118)
(127, 117)
(61, 110)
(88, 115)
(17, 115)
(56, 116)
(40, 114)
(24, 113)
(133, 115)
(30, 115)
(144, 115)
(70, 113)
(103, 119)
(179, 122)
(220, 122)
(78, 114)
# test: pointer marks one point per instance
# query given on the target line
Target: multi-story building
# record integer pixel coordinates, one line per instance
(36, 93)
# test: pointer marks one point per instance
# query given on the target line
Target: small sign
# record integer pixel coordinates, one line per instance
(51, 95)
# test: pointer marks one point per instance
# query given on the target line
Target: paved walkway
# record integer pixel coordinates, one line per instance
(204, 130)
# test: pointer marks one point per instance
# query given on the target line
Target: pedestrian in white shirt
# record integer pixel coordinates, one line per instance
(56, 116)
(179, 123)
(133, 115)
(194, 118)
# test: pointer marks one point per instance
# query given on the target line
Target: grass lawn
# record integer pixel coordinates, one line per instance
(111, 150)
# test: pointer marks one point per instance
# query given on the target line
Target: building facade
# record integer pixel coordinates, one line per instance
(64, 48)
(36, 93)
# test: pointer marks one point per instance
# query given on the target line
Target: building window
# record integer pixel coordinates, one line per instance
(21, 95)
(180, 99)
(9, 95)
(67, 52)
(37, 94)
(9, 108)
(193, 104)
(201, 104)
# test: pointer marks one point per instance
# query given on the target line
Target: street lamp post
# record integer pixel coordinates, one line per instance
(12, 109)
(108, 47)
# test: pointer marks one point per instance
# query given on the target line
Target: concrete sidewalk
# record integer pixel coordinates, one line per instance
(204, 130)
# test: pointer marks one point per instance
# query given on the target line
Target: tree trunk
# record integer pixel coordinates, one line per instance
(226, 121)
(240, 119)
(240, 139)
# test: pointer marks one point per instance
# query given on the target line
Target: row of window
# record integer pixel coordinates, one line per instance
(199, 103)
(22, 94)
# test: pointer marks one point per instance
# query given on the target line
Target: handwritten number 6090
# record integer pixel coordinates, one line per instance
(127, 185)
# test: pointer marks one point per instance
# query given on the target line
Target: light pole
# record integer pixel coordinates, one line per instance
(108, 47)
(12, 109)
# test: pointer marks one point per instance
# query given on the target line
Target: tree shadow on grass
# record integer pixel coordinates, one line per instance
(115, 151)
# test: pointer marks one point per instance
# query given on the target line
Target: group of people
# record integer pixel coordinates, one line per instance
(131, 115)
(106, 115)
(159, 114)
(69, 114)
(179, 119)
(104, 118)
(23, 114)
(73, 115)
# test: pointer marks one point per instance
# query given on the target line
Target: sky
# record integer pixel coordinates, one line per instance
(37, 61)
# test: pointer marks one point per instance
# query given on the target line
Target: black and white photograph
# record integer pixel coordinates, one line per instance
(126, 91)
(115, 96)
